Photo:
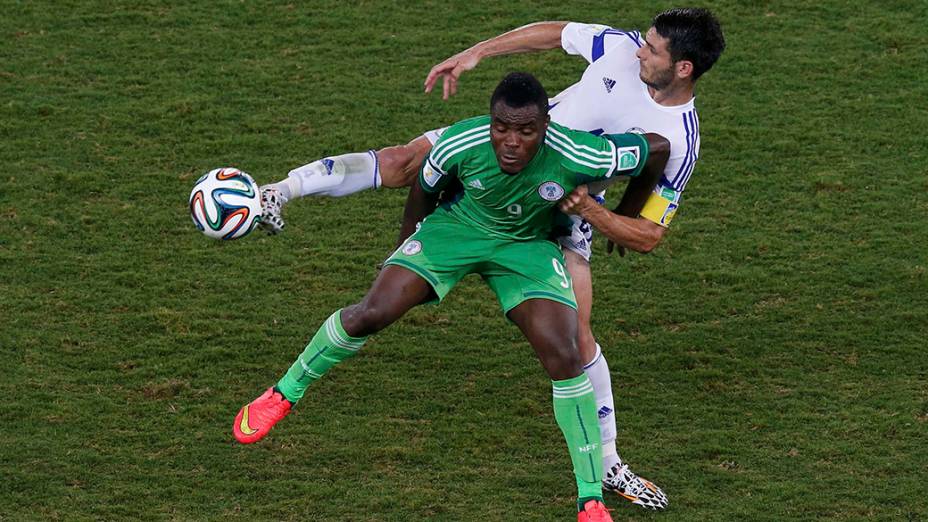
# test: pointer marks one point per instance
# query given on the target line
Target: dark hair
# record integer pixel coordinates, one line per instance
(694, 35)
(519, 89)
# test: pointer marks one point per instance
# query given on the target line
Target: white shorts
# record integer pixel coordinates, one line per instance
(580, 239)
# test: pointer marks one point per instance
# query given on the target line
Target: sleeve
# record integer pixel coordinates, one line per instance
(662, 205)
(448, 153)
(592, 41)
(588, 156)
(631, 153)
(432, 180)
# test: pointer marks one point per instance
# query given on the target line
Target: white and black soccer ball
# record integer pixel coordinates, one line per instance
(225, 204)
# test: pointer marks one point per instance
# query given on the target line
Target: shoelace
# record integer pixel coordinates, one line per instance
(628, 481)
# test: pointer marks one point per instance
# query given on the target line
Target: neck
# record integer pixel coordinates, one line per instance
(673, 94)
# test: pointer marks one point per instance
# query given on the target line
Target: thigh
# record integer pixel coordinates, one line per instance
(550, 327)
(441, 251)
(395, 291)
(525, 270)
(579, 269)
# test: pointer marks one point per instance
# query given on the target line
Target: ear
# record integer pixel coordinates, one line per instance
(545, 123)
(683, 69)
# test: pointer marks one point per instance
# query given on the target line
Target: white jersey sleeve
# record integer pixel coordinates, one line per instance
(592, 41)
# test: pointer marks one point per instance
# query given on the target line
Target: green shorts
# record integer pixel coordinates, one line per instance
(444, 250)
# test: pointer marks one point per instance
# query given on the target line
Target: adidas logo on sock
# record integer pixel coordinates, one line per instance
(328, 166)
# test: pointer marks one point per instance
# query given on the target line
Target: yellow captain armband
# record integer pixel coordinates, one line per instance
(661, 206)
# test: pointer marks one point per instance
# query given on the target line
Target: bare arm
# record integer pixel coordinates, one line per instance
(635, 233)
(622, 226)
(419, 204)
(538, 36)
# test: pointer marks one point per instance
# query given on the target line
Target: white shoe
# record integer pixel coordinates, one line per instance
(622, 481)
(272, 203)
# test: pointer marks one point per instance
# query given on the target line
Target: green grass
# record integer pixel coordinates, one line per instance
(768, 358)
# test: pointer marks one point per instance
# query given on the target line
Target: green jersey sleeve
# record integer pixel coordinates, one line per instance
(590, 157)
(631, 153)
(594, 157)
(452, 151)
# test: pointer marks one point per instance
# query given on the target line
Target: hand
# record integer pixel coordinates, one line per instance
(450, 70)
(578, 201)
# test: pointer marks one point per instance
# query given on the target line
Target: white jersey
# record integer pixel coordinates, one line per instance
(610, 98)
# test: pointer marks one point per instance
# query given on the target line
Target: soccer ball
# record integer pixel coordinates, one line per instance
(225, 204)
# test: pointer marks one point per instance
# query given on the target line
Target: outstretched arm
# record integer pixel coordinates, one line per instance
(538, 36)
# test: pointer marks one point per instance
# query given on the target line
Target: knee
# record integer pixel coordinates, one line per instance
(364, 319)
(397, 166)
(586, 345)
(564, 362)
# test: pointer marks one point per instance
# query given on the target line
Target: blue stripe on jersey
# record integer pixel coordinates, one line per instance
(690, 149)
(599, 41)
(686, 175)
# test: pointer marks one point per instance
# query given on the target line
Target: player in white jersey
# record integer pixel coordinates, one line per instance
(634, 82)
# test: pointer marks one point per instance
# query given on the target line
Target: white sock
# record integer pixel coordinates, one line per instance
(598, 372)
(287, 188)
(333, 176)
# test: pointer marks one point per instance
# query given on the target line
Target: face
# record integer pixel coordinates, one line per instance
(516, 135)
(657, 68)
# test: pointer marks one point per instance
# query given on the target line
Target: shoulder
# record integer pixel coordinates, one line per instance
(684, 150)
(458, 139)
(580, 150)
(593, 41)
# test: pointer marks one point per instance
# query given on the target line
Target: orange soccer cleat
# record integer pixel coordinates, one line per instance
(594, 511)
(256, 419)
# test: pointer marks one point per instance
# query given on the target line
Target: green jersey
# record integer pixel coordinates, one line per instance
(523, 206)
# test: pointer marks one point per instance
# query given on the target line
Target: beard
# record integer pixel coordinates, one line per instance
(659, 80)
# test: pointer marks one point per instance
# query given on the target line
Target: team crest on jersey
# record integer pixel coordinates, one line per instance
(609, 83)
(550, 191)
(412, 248)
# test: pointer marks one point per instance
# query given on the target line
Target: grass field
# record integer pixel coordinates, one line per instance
(769, 358)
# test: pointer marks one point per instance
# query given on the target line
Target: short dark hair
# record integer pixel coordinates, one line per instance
(520, 89)
(694, 35)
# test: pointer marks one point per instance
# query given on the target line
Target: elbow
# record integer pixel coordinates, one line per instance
(648, 242)
(658, 147)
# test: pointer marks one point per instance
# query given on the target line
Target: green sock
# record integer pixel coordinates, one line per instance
(330, 346)
(575, 412)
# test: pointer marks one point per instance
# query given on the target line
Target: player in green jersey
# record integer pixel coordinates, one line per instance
(514, 167)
